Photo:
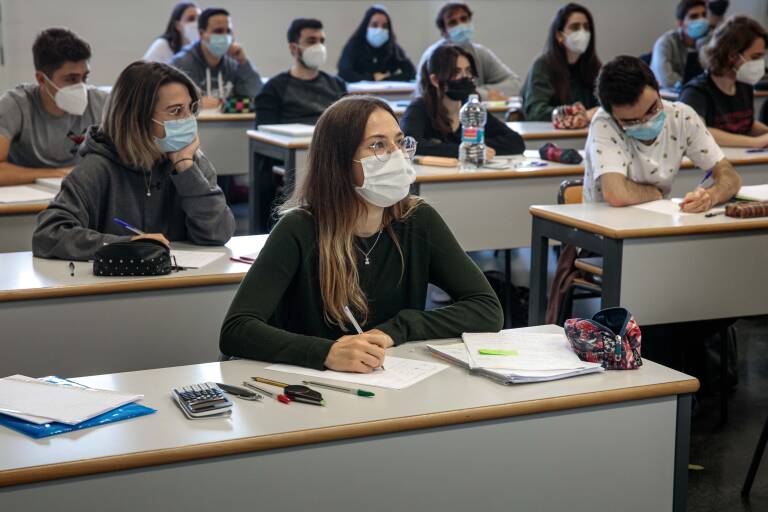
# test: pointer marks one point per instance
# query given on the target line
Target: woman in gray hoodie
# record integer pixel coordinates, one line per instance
(142, 165)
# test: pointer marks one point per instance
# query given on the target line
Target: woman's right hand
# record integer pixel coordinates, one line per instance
(153, 236)
(361, 353)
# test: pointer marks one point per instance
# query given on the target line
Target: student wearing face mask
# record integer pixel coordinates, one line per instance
(495, 81)
(637, 142)
(675, 59)
(372, 53)
(565, 73)
(216, 63)
(42, 125)
(447, 80)
(142, 165)
(180, 31)
(724, 95)
(351, 235)
(302, 93)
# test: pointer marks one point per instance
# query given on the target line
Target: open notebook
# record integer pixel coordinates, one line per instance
(457, 354)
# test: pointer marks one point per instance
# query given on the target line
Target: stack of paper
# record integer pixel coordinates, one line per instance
(194, 259)
(51, 183)
(672, 207)
(753, 193)
(25, 194)
(517, 357)
(39, 402)
(289, 129)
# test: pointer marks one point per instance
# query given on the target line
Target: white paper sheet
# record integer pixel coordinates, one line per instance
(534, 351)
(195, 259)
(672, 207)
(289, 129)
(753, 193)
(52, 183)
(25, 194)
(43, 402)
(399, 374)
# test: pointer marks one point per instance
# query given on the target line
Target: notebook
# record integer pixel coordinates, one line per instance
(753, 193)
(195, 259)
(456, 353)
(291, 129)
(672, 207)
(25, 194)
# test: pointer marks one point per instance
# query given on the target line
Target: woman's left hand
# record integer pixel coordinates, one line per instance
(184, 158)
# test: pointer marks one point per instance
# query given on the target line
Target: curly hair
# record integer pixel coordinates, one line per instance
(731, 38)
(55, 46)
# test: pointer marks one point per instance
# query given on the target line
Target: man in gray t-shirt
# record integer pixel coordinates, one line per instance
(43, 124)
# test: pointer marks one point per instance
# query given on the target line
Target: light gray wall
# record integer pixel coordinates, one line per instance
(120, 31)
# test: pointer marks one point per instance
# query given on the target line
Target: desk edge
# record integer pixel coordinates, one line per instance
(303, 437)
(22, 208)
(499, 175)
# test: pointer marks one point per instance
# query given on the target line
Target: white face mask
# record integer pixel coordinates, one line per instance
(386, 183)
(751, 71)
(72, 99)
(314, 56)
(578, 41)
(189, 32)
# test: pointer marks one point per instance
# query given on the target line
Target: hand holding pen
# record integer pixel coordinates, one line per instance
(700, 200)
(140, 234)
(361, 352)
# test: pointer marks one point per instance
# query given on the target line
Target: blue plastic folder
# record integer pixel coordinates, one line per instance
(132, 410)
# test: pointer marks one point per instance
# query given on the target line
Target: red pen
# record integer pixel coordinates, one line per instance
(279, 397)
(240, 260)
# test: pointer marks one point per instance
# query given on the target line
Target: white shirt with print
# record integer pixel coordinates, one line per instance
(609, 149)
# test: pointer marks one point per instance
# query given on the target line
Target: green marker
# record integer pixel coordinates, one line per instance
(358, 392)
(496, 352)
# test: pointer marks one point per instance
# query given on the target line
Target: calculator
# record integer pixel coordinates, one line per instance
(204, 400)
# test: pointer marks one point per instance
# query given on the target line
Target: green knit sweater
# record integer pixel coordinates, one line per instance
(539, 94)
(277, 313)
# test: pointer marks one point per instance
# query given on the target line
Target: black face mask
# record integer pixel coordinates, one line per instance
(719, 7)
(459, 90)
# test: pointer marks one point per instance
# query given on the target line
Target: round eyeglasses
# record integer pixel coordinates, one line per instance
(381, 149)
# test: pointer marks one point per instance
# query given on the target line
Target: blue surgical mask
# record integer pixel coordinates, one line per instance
(219, 44)
(179, 134)
(461, 33)
(698, 28)
(648, 130)
(376, 36)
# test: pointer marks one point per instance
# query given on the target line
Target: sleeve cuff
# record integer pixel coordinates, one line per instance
(318, 353)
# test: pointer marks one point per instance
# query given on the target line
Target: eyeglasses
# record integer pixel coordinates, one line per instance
(381, 149)
(182, 111)
(647, 117)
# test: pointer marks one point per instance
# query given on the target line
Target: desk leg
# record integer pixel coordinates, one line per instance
(539, 263)
(682, 447)
(612, 250)
(289, 181)
(260, 193)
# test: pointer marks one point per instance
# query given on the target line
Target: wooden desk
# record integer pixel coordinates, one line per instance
(221, 138)
(448, 443)
(54, 323)
(538, 133)
(663, 268)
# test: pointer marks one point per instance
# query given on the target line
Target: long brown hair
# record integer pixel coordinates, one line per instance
(733, 37)
(557, 61)
(441, 63)
(328, 193)
(127, 118)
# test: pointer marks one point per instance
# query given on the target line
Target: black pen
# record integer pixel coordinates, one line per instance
(714, 214)
(71, 268)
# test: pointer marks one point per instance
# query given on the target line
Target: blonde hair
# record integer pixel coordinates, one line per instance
(127, 120)
(328, 193)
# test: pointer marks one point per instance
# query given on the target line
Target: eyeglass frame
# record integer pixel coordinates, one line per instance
(659, 106)
(193, 110)
(409, 152)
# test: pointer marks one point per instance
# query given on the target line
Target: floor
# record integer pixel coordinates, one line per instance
(722, 451)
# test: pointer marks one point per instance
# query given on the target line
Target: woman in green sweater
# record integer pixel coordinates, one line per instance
(565, 73)
(351, 235)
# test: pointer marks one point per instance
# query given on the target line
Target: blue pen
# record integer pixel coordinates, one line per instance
(758, 150)
(128, 226)
(706, 177)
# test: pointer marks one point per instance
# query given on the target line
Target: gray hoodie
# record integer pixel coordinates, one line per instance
(186, 206)
(241, 80)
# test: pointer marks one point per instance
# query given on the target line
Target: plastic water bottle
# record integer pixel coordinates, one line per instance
(472, 149)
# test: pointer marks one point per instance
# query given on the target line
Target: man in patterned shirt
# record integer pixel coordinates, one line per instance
(637, 142)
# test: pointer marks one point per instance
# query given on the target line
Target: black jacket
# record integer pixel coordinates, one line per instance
(417, 124)
(359, 61)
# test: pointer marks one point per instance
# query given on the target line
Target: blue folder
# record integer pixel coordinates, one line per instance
(132, 410)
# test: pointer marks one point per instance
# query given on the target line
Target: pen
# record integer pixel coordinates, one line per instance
(279, 397)
(128, 226)
(240, 260)
(714, 214)
(706, 177)
(71, 268)
(358, 392)
(351, 317)
(296, 393)
(758, 150)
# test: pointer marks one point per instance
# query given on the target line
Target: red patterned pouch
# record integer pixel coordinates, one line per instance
(611, 338)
